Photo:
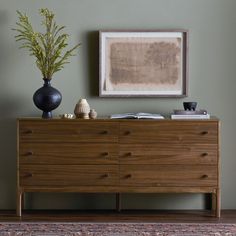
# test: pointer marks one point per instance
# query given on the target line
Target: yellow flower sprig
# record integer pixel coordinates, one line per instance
(48, 48)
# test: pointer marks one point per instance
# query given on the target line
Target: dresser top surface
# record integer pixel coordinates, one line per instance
(107, 119)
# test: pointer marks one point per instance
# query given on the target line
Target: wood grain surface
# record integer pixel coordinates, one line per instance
(104, 155)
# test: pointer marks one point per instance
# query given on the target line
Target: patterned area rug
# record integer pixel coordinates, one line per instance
(116, 229)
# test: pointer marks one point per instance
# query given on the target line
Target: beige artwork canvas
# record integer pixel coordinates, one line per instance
(142, 65)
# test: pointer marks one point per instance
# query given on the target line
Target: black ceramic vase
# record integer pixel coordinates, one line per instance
(47, 99)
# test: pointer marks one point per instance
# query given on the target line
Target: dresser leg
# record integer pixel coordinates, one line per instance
(118, 202)
(18, 203)
(216, 203)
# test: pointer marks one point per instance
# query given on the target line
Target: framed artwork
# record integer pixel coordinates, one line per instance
(143, 63)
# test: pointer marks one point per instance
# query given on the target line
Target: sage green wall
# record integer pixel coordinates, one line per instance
(212, 83)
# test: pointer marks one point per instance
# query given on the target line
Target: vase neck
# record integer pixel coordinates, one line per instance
(46, 82)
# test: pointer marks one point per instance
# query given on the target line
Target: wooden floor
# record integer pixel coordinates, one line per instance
(227, 216)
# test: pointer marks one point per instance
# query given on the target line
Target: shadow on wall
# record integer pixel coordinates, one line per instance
(10, 105)
(3, 52)
(93, 65)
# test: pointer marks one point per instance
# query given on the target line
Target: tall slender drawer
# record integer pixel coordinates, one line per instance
(68, 175)
(65, 131)
(168, 175)
(68, 153)
(176, 154)
(187, 132)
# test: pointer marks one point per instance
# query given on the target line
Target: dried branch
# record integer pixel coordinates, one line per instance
(48, 48)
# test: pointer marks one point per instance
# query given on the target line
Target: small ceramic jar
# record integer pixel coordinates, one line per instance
(82, 109)
(93, 114)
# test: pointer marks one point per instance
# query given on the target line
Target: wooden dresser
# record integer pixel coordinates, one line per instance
(118, 156)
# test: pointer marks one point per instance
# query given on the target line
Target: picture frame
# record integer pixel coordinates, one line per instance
(143, 63)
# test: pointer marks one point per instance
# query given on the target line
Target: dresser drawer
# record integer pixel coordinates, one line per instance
(176, 154)
(68, 175)
(168, 133)
(65, 131)
(168, 175)
(68, 153)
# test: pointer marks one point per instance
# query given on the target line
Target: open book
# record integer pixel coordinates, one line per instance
(139, 115)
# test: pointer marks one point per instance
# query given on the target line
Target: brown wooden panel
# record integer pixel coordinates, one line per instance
(168, 154)
(64, 131)
(120, 189)
(68, 153)
(68, 175)
(168, 175)
(169, 132)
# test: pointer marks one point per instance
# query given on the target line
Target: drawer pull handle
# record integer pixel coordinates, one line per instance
(104, 132)
(204, 176)
(105, 175)
(204, 132)
(28, 175)
(204, 154)
(128, 176)
(105, 154)
(128, 154)
(127, 132)
(29, 131)
(30, 153)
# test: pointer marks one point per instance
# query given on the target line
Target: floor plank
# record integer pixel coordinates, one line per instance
(227, 216)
